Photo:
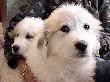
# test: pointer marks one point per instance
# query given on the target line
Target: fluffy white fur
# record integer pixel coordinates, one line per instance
(62, 63)
(59, 60)
(31, 26)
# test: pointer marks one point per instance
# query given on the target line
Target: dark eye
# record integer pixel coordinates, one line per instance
(65, 28)
(86, 27)
(17, 35)
(28, 36)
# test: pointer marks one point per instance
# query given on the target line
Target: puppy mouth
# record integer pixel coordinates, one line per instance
(17, 54)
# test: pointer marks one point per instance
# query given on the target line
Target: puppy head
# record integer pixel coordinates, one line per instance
(73, 32)
(24, 33)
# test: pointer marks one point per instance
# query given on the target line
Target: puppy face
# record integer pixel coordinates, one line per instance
(73, 32)
(25, 32)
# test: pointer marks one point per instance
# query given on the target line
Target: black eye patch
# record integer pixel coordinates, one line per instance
(86, 26)
(65, 28)
(28, 36)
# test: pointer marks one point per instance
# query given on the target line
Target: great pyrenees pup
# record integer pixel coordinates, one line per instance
(72, 39)
(25, 33)
(63, 51)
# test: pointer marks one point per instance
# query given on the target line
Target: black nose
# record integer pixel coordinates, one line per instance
(81, 46)
(15, 48)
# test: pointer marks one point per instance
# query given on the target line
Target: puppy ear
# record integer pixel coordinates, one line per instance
(40, 43)
(43, 41)
(96, 50)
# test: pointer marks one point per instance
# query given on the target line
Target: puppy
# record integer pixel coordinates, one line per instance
(24, 34)
(72, 38)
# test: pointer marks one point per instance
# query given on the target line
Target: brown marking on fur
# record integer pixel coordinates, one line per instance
(40, 43)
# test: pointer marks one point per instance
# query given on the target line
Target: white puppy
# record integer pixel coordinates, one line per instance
(66, 53)
(72, 35)
(25, 33)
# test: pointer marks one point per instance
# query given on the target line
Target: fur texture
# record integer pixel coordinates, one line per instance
(63, 61)
(30, 28)
(52, 54)
(25, 33)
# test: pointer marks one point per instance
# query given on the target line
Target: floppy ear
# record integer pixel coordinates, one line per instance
(42, 44)
(96, 52)
(98, 31)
